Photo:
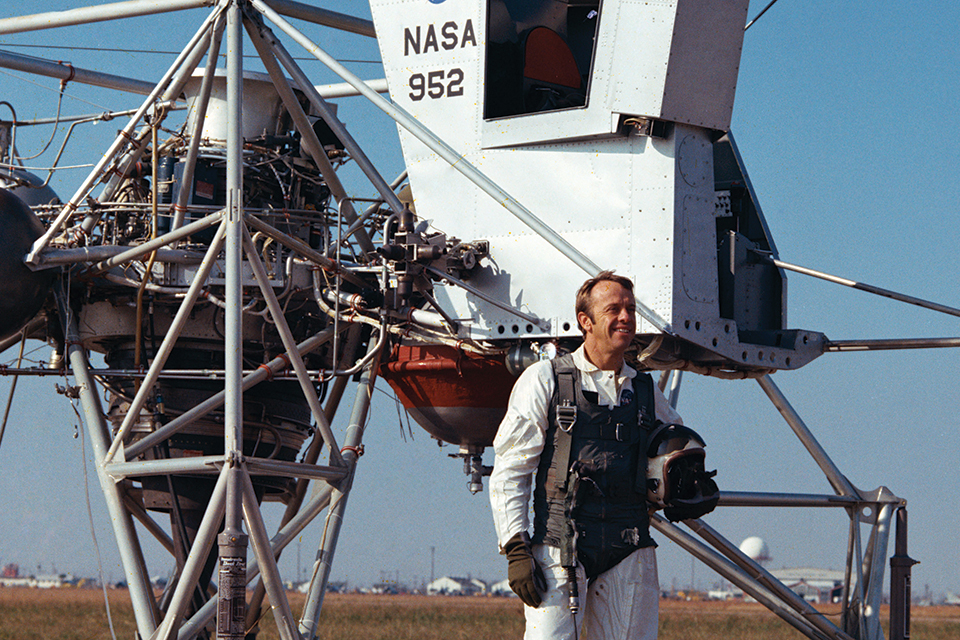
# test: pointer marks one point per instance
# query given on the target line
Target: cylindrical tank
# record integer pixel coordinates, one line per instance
(261, 105)
(22, 291)
(454, 397)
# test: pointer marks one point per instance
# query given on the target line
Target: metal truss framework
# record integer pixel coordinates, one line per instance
(863, 583)
(234, 502)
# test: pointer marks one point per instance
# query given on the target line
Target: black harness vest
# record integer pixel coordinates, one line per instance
(595, 504)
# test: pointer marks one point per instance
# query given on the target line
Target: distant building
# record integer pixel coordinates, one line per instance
(17, 582)
(388, 588)
(11, 571)
(813, 585)
(502, 588)
(41, 582)
(817, 586)
(456, 586)
(724, 594)
(50, 582)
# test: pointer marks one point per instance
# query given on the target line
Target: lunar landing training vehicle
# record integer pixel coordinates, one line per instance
(219, 281)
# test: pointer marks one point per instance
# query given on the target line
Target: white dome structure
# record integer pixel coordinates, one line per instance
(756, 549)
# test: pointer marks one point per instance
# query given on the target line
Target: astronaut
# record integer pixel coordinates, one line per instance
(575, 436)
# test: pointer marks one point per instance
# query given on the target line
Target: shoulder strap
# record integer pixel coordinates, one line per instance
(565, 375)
(643, 389)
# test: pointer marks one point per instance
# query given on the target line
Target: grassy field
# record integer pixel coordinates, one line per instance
(67, 614)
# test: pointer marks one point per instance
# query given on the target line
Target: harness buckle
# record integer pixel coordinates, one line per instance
(566, 415)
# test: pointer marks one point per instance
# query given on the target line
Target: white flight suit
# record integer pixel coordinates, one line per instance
(622, 602)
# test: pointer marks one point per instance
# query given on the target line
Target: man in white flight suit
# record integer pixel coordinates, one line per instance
(623, 600)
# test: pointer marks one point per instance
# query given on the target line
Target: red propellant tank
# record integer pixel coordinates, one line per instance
(455, 397)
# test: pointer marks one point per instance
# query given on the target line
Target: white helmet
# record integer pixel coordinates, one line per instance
(677, 480)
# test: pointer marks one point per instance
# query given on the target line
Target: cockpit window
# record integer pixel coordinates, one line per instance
(539, 55)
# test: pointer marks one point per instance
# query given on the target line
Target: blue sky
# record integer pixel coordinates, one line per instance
(846, 119)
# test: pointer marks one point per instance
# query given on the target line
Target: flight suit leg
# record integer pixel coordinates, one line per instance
(623, 603)
(552, 620)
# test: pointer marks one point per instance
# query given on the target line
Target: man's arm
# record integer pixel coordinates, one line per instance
(517, 446)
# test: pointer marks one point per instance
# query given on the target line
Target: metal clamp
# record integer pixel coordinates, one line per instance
(566, 415)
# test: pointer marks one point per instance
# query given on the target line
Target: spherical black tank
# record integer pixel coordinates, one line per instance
(22, 291)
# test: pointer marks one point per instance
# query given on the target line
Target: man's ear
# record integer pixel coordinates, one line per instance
(585, 321)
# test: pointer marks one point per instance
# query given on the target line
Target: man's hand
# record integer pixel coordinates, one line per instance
(525, 575)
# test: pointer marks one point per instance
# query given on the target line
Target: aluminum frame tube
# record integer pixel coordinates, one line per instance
(295, 469)
(193, 566)
(231, 598)
(138, 512)
(759, 499)
(673, 386)
(266, 46)
(284, 537)
(58, 257)
(890, 344)
(203, 100)
(314, 506)
(304, 250)
(875, 564)
(345, 90)
(765, 578)
(233, 237)
(166, 466)
(270, 574)
(373, 207)
(119, 142)
(334, 396)
(837, 480)
(67, 72)
(316, 15)
(866, 593)
(155, 244)
(96, 13)
(290, 344)
(338, 128)
(853, 284)
(759, 15)
(853, 547)
(128, 543)
(13, 386)
(169, 340)
(213, 402)
(338, 501)
(731, 572)
(456, 160)
(859, 587)
(190, 58)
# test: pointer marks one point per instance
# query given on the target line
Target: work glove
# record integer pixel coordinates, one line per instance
(525, 575)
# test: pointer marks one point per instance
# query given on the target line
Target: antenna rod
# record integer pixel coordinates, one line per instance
(772, 2)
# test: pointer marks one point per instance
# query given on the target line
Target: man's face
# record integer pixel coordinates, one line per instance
(614, 318)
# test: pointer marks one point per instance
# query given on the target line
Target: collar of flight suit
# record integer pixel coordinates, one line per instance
(607, 384)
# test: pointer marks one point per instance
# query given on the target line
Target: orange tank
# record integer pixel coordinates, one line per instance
(455, 397)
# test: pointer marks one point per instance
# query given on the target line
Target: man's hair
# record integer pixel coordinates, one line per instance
(583, 295)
